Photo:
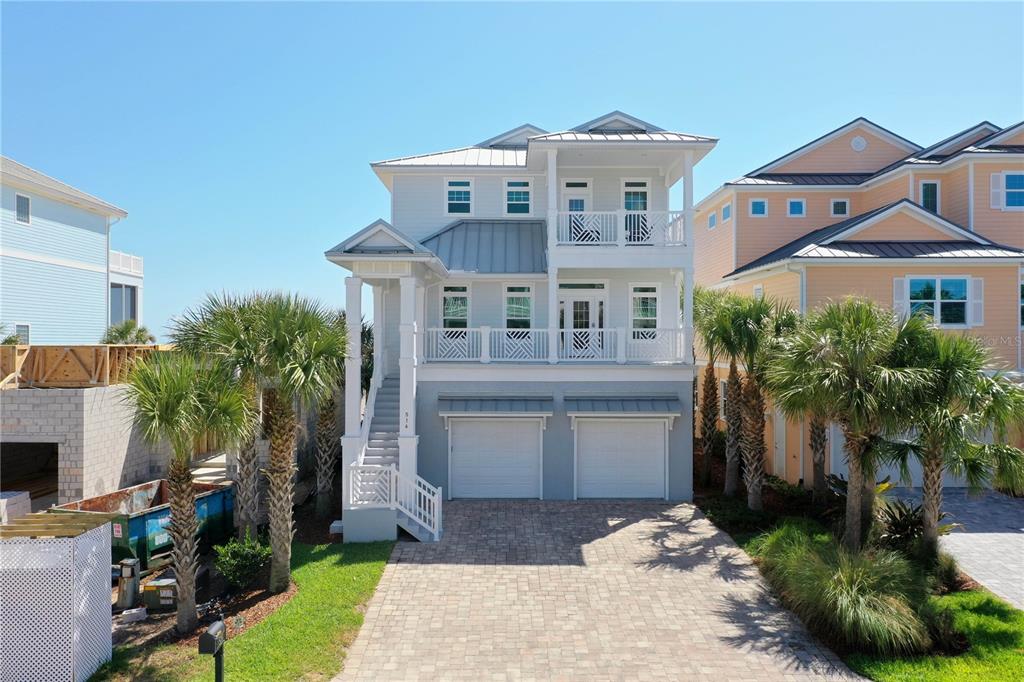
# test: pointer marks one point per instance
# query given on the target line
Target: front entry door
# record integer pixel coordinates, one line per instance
(581, 325)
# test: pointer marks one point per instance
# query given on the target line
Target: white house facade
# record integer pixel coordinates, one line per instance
(530, 340)
(60, 283)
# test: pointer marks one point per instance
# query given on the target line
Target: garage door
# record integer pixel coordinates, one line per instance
(623, 458)
(495, 458)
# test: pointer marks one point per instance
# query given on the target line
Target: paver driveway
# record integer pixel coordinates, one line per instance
(578, 590)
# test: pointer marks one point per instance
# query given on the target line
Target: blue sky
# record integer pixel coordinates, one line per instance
(237, 136)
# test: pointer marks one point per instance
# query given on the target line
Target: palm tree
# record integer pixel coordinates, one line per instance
(962, 402)
(230, 328)
(176, 398)
(302, 360)
(707, 307)
(758, 323)
(847, 362)
(127, 333)
(326, 451)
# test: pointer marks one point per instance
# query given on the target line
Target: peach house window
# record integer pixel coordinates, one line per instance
(758, 208)
(840, 208)
(796, 208)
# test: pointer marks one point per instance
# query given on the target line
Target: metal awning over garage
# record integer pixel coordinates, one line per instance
(495, 406)
(624, 406)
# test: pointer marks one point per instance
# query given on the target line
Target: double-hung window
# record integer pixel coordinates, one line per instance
(518, 306)
(796, 208)
(644, 311)
(455, 307)
(1012, 194)
(944, 299)
(930, 195)
(517, 196)
(23, 209)
(459, 196)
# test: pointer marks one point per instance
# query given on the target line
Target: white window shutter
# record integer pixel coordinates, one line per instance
(899, 296)
(977, 302)
(996, 191)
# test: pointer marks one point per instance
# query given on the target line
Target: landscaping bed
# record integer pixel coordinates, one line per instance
(966, 632)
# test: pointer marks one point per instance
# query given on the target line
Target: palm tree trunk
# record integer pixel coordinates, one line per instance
(708, 420)
(734, 427)
(183, 528)
(281, 487)
(867, 502)
(326, 447)
(931, 466)
(753, 441)
(819, 443)
(854, 492)
(247, 484)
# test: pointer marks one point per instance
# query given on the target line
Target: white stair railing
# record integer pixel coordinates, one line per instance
(386, 487)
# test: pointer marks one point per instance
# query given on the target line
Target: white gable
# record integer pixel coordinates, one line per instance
(382, 239)
(617, 121)
(517, 137)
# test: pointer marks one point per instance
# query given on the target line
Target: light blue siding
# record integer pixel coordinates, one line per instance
(61, 302)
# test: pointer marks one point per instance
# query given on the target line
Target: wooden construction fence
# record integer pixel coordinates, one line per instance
(34, 366)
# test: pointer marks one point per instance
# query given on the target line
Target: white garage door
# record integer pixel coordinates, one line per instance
(624, 458)
(495, 458)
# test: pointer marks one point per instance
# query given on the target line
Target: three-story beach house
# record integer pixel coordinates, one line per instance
(863, 211)
(530, 340)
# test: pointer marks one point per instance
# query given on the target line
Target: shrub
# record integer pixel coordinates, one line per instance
(901, 526)
(867, 601)
(733, 516)
(240, 561)
(946, 574)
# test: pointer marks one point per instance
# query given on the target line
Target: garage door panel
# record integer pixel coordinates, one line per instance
(623, 459)
(495, 458)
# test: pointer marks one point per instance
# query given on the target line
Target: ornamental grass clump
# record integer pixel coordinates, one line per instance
(867, 601)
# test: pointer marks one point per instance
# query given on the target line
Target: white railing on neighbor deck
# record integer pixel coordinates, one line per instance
(125, 262)
(655, 345)
(518, 345)
(621, 228)
(452, 344)
(386, 487)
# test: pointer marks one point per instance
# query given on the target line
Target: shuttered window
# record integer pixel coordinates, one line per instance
(943, 299)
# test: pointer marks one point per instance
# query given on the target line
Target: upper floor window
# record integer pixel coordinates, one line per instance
(796, 208)
(944, 299)
(23, 208)
(455, 307)
(24, 333)
(644, 306)
(930, 195)
(1008, 191)
(518, 306)
(712, 220)
(840, 208)
(124, 303)
(758, 208)
(726, 212)
(517, 196)
(460, 197)
(634, 195)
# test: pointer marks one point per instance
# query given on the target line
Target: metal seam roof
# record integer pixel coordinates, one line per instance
(628, 404)
(492, 246)
(542, 405)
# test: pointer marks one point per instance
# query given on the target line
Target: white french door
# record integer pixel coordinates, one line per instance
(581, 326)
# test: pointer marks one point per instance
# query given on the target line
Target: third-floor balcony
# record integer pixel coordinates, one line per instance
(621, 228)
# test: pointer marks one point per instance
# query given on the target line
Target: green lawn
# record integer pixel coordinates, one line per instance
(996, 633)
(306, 637)
(994, 629)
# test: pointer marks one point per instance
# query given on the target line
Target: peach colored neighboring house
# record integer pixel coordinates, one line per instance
(864, 211)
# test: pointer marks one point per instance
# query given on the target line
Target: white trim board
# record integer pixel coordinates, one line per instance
(50, 260)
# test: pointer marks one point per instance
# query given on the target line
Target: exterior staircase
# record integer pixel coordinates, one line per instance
(382, 445)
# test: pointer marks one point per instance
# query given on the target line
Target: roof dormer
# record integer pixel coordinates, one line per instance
(617, 122)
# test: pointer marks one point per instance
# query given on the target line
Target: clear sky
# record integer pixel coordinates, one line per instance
(237, 135)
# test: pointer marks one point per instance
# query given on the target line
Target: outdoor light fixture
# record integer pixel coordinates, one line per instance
(211, 643)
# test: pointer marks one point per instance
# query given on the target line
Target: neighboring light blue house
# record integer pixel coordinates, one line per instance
(59, 281)
(530, 341)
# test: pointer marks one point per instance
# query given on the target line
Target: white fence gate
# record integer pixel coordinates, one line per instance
(55, 617)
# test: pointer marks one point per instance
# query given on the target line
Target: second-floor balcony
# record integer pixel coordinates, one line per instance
(487, 344)
(621, 228)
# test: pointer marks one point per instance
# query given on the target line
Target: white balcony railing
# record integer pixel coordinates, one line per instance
(126, 263)
(621, 228)
(485, 345)
(387, 487)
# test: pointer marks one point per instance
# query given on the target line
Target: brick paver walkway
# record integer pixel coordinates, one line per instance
(566, 590)
(989, 544)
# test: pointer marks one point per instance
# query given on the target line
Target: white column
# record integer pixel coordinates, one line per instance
(688, 232)
(352, 442)
(378, 332)
(421, 321)
(407, 438)
(552, 259)
(688, 312)
(688, 212)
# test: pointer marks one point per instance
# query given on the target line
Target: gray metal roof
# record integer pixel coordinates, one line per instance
(491, 246)
(540, 405)
(803, 179)
(628, 404)
(620, 136)
(817, 244)
(511, 157)
(15, 172)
